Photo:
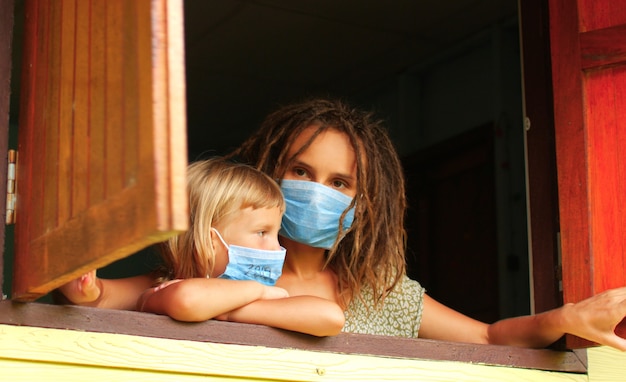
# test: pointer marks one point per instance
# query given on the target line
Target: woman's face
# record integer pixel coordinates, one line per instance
(329, 160)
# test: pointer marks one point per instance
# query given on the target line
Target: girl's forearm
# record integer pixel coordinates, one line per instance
(305, 314)
(200, 299)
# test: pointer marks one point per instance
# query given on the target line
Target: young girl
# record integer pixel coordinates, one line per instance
(351, 249)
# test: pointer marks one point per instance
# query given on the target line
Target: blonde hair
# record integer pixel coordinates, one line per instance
(217, 189)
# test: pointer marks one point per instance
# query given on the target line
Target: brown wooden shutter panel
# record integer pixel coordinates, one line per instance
(102, 136)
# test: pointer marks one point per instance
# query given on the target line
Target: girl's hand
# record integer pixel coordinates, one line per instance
(82, 290)
(272, 292)
(597, 318)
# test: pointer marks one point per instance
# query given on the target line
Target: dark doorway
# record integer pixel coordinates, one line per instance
(451, 223)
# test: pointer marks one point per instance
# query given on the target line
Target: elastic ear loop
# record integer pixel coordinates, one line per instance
(221, 238)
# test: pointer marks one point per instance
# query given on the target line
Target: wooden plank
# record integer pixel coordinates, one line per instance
(47, 124)
(78, 235)
(150, 325)
(18, 370)
(136, 49)
(603, 47)
(606, 364)
(605, 106)
(230, 360)
(97, 102)
(170, 85)
(64, 145)
(82, 109)
(589, 103)
(114, 102)
(596, 14)
(178, 214)
(34, 91)
(571, 162)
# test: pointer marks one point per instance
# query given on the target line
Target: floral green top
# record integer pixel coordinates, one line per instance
(400, 315)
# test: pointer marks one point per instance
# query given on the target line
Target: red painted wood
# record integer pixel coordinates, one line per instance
(603, 47)
(589, 77)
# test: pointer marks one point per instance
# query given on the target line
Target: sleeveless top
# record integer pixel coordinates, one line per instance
(400, 315)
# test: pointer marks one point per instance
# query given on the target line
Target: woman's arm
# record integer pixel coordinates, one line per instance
(200, 299)
(89, 290)
(594, 319)
(305, 314)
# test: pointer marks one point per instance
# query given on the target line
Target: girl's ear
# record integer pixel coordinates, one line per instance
(215, 240)
(220, 253)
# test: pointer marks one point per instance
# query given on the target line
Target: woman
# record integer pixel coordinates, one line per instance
(358, 261)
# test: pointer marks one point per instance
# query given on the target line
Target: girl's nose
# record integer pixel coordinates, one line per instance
(275, 245)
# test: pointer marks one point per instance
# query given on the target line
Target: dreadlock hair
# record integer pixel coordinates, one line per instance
(372, 252)
(218, 189)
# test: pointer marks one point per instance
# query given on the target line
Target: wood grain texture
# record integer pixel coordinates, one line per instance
(603, 47)
(133, 354)
(606, 364)
(103, 160)
(589, 77)
(150, 325)
(570, 148)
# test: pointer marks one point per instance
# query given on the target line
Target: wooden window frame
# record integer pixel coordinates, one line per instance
(148, 325)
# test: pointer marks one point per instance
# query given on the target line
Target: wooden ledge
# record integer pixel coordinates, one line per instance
(150, 325)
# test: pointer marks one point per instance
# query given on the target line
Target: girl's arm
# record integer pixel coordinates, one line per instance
(594, 319)
(305, 314)
(200, 299)
(89, 290)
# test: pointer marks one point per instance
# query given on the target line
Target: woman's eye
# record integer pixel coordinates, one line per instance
(261, 233)
(300, 172)
(339, 184)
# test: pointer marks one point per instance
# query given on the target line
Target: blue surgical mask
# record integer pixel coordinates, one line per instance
(244, 263)
(312, 213)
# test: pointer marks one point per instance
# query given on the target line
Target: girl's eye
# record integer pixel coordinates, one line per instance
(261, 233)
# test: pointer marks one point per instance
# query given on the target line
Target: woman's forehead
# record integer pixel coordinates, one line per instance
(327, 135)
(330, 150)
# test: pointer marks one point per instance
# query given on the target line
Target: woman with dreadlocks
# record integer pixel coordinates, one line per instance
(345, 240)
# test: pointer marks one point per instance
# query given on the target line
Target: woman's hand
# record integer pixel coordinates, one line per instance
(597, 318)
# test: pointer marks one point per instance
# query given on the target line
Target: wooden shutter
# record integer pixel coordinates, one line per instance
(102, 136)
(588, 40)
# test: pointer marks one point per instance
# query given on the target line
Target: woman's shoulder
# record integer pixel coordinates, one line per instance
(399, 315)
(408, 285)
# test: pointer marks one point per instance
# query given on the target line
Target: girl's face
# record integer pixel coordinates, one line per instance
(252, 228)
(329, 160)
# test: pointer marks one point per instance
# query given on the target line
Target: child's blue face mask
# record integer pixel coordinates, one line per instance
(244, 263)
(312, 213)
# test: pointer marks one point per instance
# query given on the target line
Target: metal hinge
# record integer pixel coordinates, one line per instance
(11, 186)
